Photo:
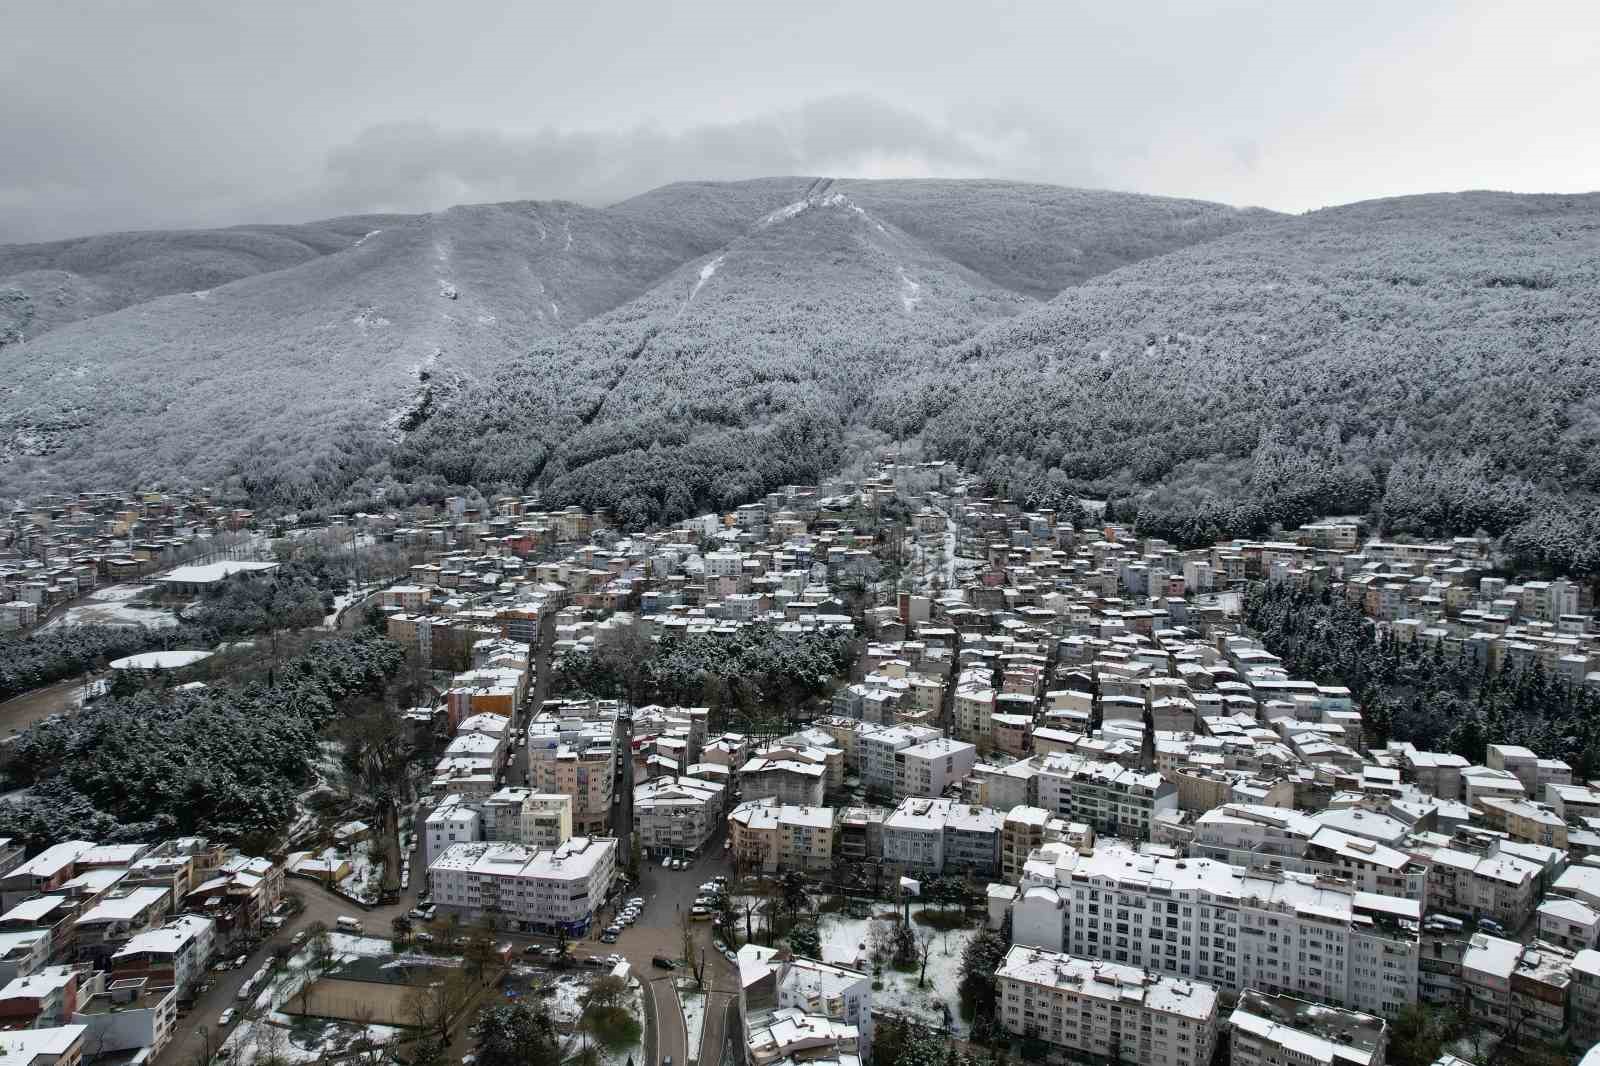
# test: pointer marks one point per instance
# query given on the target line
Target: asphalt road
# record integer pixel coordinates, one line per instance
(672, 1035)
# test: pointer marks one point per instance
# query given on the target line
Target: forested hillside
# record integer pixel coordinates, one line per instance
(295, 382)
(1433, 356)
(43, 286)
(738, 373)
(293, 385)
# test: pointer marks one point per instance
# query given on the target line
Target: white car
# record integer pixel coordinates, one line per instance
(227, 1016)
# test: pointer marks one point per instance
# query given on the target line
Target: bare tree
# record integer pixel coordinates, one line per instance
(924, 947)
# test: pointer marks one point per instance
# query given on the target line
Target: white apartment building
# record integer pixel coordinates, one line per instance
(812, 1004)
(1232, 926)
(931, 836)
(546, 820)
(1272, 1030)
(878, 750)
(1251, 834)
(1086, 1007)
(531, 888)
(676, 816)
(928, 768)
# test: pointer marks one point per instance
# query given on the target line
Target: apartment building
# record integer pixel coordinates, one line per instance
(1245, 834)
(931, 836)
(677, 816)
(536, 889)
(1235, 927)
(1020, 832)
(767, 836)
(808, 1008)
(176, 954)
(1087, 1008)
(786, 777)
(1490, 883)
(1106, 796)
(929, 768)
(576, 759)
(1273, 1030)
(878, 750)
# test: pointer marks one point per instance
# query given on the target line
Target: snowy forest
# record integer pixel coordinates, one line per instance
(1435, 700)
(758, 671)
(224, 761)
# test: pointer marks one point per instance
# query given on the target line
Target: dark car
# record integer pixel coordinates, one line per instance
(663, 962)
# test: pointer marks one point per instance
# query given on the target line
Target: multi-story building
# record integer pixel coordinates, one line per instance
(1234, 927)
(1099, 1010)
(1105, 796)
(929, 768)
(932, 836)
(878, 750)
(532, 888)
(785, 778)
(176, 954)
(802, 1005)
(1272, 1030)
(575, 759)
(1493, 884)
(1020, 832)
(676, 816)
(546, 820)
(766, 836)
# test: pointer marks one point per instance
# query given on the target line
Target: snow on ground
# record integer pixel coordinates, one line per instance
(844, 941)
(113, 606)
(694, 1012)
(159, 660)
(115, 592)
(910, 290)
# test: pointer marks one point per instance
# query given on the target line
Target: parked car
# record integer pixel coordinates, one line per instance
(424, 938)
(417, 914)
(711, 887)
(700, 914)
(532, 949)
(729, 955)
(1492, 926)
(227, 1016)
(662, 962)
(608, 937)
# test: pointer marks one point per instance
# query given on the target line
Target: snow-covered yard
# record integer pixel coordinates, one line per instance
(111, 606)
(845, 941)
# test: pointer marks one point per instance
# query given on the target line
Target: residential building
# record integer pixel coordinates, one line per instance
(1088, 1008)
(537, 890)
(1273, 1030)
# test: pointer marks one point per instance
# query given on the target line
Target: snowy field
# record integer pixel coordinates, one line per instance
(844, 941)
(111, 606)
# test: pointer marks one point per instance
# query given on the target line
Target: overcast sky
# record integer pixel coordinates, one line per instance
(139, 114)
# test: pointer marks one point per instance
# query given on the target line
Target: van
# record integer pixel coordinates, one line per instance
(348, 924)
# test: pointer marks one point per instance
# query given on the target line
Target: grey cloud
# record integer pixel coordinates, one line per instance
(417, 166)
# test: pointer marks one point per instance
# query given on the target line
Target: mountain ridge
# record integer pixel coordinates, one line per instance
(290, 383)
